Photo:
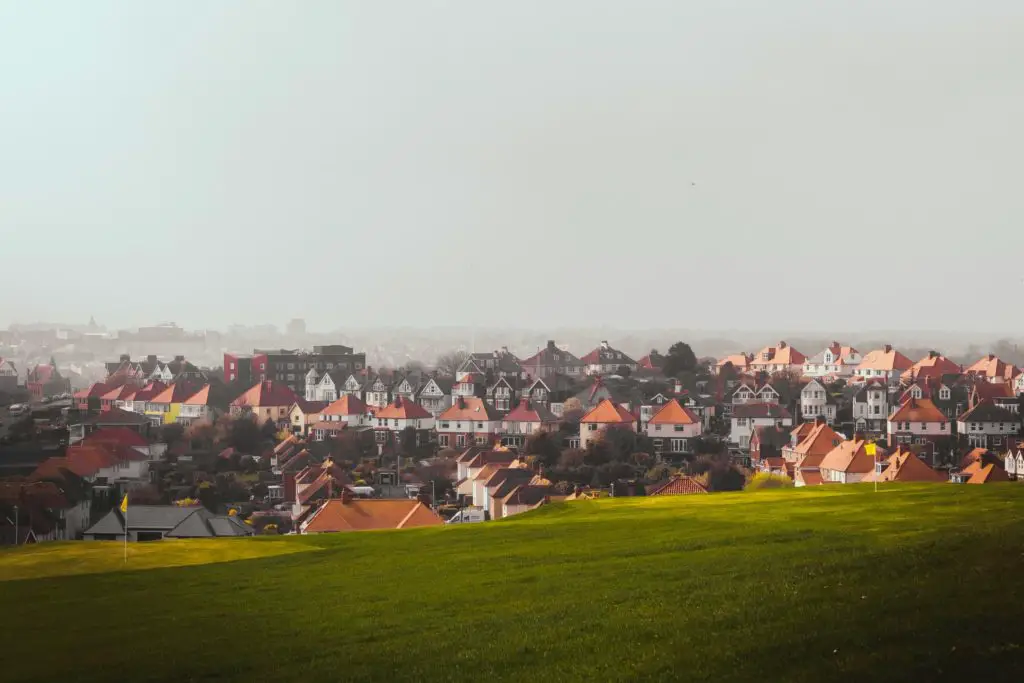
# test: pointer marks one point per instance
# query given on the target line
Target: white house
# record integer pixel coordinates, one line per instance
(672, 428)
(604, 360)
(389, 422)
(501, 395)
(1013, 462)
(778, 358)
(377, 393)
(987, 425)
(847, 463)
(605, 415)
(871, 407)
(436, 396)
(197, 407)
(885, 363)
(749, 416)
(835, 361)
(815, 402)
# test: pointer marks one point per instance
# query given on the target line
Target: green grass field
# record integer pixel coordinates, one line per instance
(915, 583)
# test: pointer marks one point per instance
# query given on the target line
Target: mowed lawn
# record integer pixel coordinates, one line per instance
(914, 583)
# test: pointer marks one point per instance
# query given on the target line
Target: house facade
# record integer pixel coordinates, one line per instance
(436, 395)
(605, 415)
(987, 425)
(525, 420)
(835, 360)
(919, 422)
(469, 421)
(672, 429)
(605, 360)
(778, 358)
(886, 364)
(749, 416)
(815, 402)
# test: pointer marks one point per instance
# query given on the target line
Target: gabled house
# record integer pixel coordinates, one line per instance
(500, 363)
(45, 380)
(406, 386)
(524, 420)
(815, 402)
(871, 407)
(991, 369)
(469, 421)
(93, 394)
(377, 391)
(1001, 394)
(678, 485)
(8, 376)
(524, 498)
(605, 415)
(905, 466)
(605, 360)
(552, 360)
(778, 358)
(266, 400)
(176, 370)
(358, 514)
(347, 412)
(673, 428)
(165, 407)
(304, 414)
(326, 387)
(987, 425)
(983, 468)
(767, 442)
(920, 422)
(155, 522)
(749, 416)
(205, 404)
(835, 360)
(436, 395)
(390, 421)
(551, 392)
(503, 394)
(1013, 461)
(806, 456)
(847, 463)
(471, 385)
(885, 363)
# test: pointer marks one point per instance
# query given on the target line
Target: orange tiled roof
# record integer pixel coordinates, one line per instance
(849, 457)
(885, 359)
(469, 408)
(810, 477)
(346, 405)
(680, 485)
(176, 393)
(674, 414)
(267, 394)
(738, 360)
(780, 354)
(199, 398)
(918, 410)
(988, 366)
(358, 514)
(403, 409)
(933, 365)
(608, 412)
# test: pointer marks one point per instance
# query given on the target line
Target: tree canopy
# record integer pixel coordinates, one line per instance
(680, 358)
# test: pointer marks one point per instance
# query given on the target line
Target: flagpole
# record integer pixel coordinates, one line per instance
(126, 536)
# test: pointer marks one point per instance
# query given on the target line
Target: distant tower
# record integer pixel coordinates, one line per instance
(296, 327)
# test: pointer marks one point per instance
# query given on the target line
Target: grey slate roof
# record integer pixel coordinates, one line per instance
(174, 521)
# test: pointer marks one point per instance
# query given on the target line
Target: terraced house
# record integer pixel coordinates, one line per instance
(469, 421)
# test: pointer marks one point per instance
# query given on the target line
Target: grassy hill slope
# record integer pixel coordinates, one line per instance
(838, 583)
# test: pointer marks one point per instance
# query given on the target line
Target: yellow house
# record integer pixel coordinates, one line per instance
(166, 406)
(303, 414)
(266, 400)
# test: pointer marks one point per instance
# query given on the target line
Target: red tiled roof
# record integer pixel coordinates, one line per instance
(849, 457)
(674, 414)
(361, 514)
(991, 366)
(933, 365)
(96, 390)
(525, 412)
(680, 485)
(119, 393)
(346, 405)
(810, 477)
(149, 391)
(403, 409)
(120, 435)
(608, 412)
(176, 393)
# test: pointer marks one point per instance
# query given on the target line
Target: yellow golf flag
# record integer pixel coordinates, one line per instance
(124, 503)
(869, 449)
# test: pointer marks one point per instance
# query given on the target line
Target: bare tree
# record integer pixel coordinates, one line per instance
(449, 363)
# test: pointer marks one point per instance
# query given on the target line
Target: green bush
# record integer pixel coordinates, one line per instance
(767, 480)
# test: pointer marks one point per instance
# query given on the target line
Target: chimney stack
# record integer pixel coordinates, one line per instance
(604, 345)
(551, 344)
(179, 358)
(782, 344)
(888, 348)
(991, 356)
(151, 358)
(933, 354)
(125, 357)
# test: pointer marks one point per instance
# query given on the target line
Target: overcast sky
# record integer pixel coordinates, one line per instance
(715, 164)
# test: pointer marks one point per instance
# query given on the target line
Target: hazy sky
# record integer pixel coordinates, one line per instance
(713, 164)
